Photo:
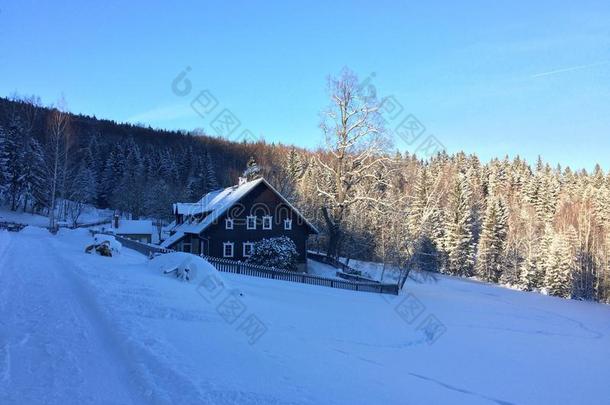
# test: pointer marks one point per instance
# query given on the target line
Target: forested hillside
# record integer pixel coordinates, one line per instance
(506, 221)
(121, 166)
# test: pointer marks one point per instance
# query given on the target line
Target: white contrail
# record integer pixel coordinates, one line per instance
(163, 113)
(570, 69)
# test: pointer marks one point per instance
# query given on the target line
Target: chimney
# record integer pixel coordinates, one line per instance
(116, 221)
(242, 181)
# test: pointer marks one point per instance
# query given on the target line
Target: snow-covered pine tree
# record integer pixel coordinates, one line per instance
(307, 194)
(129, 195)
(193, 189)
(548, 189)
(528, 276)
(294, 166)
(252, 171)
(35, 190)
(421, 204)
(158, 198)
(598, 178)
(211, 180)
(92, 162)
(422, 220)
(84, 187)
(3, 162)
(294, 170)
(13, 156)
(559, 263)
(491, 247)
(111, 175)
(459, 241)
(81, 192)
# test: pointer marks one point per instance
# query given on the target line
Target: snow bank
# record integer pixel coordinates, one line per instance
(198, 267)
(35, 231)
(78, 232)
(23, 218)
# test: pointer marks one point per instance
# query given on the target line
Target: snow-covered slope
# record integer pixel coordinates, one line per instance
(77, 328)
(90, 215)
(22, 218)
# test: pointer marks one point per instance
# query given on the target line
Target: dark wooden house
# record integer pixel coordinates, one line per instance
(227, 222)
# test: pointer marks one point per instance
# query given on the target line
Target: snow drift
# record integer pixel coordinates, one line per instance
(185, 264)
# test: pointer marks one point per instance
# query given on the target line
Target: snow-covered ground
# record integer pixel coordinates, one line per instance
(7, 215)
(321, 269)
(375, 271)
(78, 328)
(90, 215)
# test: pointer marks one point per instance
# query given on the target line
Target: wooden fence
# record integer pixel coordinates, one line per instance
(322, 258)
(12, 226)
(144, 248)
(248, 269)
(97, 223)
(232, 266)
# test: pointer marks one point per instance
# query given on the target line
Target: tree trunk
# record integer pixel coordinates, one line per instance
(334, 234)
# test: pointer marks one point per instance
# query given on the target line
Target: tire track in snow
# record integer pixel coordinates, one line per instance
(593, 334)
(460, 390)
(149, 360)
(52, 345)
(5, 359)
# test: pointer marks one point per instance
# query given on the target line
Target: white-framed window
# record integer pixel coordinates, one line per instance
(248, 249)
(251, 222)
(186, 246)
(227, 249)
(288, 224)
(229, 223)
(267, 222)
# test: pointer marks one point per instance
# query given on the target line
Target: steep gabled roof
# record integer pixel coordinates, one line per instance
(213, 205)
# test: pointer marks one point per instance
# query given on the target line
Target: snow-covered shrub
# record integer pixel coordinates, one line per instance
(278, 252)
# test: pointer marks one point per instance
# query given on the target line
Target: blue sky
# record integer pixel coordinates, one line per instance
(511, 78)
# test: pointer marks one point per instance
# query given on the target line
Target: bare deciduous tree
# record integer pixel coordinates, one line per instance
(356, 148)
(58, 140)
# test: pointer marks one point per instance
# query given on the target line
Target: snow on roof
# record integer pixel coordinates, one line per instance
(172, 239)
(216, 203)
(133, 227)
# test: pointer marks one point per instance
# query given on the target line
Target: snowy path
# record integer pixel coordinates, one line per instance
(52, 348)
(77, 328)
(61, 345)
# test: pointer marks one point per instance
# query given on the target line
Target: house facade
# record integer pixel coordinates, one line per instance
(226, 223)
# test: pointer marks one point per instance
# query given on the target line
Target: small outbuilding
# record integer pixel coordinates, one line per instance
(135, 229)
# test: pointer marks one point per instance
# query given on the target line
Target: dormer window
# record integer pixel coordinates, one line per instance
(267, 222)
(288, 224)
(251, 222)
(229, 223)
